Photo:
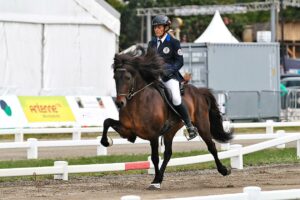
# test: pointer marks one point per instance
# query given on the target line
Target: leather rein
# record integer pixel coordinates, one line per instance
(131, 93)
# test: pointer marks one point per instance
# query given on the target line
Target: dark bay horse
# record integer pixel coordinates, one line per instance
(143, 112)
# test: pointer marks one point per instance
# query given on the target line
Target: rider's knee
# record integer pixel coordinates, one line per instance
(176, 101)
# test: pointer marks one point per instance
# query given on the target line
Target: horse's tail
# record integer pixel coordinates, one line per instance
(216, 122)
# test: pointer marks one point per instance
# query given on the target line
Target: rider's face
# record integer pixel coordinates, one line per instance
(159, 30)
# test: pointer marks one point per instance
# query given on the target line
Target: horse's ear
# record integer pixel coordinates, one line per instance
(140, 51)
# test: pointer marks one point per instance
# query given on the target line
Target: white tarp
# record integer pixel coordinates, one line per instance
(216, 32)
(58, 12)
(57, 47)
(77, 57)
(20, 57)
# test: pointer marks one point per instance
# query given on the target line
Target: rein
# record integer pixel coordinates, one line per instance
(131, 92)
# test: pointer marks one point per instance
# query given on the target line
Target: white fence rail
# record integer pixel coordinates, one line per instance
(249, 193)
(61, 169)
(76, 131)
(32, 145)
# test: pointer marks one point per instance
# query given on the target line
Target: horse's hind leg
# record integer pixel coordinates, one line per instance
(204, 131)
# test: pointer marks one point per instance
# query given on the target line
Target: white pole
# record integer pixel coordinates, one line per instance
(32, 151)
(237, 161)
(101, 150)
(281, 133)
(76, 135)
(19, 136)
(269, 126)
(64, 174)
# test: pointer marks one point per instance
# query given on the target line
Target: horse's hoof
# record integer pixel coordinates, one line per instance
(228, 171)
(225, 171)
(154, 186)
(106, 142)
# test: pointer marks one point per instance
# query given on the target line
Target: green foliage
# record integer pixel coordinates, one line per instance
(269, 156)
(193, 25)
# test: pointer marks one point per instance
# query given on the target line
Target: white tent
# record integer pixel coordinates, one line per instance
(216, 32)
(57, 47)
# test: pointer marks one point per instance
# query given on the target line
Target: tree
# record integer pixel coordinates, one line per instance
(193, 25)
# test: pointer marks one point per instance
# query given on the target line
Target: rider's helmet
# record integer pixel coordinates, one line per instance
(161, 20)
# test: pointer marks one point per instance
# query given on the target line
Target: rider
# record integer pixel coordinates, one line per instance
(169, 49)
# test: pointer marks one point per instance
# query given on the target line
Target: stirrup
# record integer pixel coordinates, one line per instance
(192, 132)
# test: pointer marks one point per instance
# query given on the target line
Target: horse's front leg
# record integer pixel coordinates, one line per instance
(155, 160)
(116, 125)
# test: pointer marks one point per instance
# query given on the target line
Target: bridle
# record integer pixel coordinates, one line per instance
(131, 93)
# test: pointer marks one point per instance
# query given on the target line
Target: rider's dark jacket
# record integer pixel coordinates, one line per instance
(171, 52)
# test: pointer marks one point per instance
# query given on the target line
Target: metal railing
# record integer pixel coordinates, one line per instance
(290, 105)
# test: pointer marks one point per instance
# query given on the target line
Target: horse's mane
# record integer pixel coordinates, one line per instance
(150, 65)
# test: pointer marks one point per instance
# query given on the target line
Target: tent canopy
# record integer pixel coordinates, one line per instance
(57, 47)
(216, 32)
(60, 12)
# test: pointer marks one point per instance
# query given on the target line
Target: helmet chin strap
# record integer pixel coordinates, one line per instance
(163, 35)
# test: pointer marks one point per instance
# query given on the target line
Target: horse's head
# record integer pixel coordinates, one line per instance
(124, 76)
(132, 73)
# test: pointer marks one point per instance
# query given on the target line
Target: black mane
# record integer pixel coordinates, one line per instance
(150, 66)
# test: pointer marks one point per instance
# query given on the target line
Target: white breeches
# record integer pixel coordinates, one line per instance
(173, 86)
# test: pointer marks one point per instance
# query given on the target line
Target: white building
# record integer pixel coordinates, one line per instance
(57, 47)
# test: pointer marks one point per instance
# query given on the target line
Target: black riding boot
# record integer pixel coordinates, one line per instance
(182, 110)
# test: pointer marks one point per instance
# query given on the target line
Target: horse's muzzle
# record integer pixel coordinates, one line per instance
(121, 101)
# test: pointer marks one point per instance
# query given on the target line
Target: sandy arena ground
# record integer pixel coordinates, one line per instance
(181, 184)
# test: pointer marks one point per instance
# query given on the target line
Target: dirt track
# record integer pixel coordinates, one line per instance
(182, 184)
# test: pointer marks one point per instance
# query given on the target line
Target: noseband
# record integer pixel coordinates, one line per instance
(131, 93)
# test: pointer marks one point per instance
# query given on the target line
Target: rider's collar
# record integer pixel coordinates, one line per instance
(165, 37)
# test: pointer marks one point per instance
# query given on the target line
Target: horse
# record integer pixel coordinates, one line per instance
(144, 113)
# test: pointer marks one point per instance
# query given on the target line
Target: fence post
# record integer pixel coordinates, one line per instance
(237, 161)
(130, 197)
(253, 192)
(269, 126)
(76, 135)
(101, 150)
(225, 146)
(298, 149)
(32, 151)
(19, 135)
(281, 134)
(64, 175)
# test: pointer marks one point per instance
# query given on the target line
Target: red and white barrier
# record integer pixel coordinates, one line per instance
(235, 154)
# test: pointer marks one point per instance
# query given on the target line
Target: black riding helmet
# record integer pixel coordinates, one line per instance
(161, 20)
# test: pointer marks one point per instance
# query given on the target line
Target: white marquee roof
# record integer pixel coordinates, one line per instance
(216, 32)
(60, 12)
